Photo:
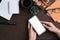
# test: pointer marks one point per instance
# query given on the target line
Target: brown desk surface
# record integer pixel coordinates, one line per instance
(20, 31)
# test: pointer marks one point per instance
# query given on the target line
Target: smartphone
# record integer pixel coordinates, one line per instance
(36, 24)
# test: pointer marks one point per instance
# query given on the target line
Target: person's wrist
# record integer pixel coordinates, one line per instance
(31, 39)
(57, 31)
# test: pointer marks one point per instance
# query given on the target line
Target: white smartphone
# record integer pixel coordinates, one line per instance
(36, 24)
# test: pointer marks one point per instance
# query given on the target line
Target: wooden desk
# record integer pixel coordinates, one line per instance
(20, 31)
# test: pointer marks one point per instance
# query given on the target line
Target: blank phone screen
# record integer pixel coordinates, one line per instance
(38, 27)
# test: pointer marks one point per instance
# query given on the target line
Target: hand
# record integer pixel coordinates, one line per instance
(32, 33)
(50, 26)
(38, 3)
(49, 12)
(35, 0)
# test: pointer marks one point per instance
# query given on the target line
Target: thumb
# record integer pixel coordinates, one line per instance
(45, 26)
